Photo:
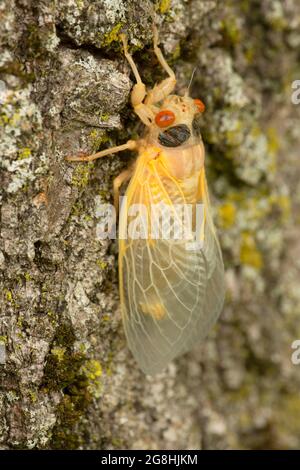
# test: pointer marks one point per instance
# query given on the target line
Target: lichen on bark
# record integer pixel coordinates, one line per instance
(69, 380)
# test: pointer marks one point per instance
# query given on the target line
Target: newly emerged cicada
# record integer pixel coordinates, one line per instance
(171, 287)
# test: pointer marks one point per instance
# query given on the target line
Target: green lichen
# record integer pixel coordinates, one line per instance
(98, 138)
(63, 363)
(109, 361)
(278, 24)
(77, 208)
(27, 277)
(231, 31)
(69, 412)
(53, 317)
(3, 339)
(81, 175)
(104, 117)
(17, 69)
(58, 352)
(33, 395)
(77, 378)
(112, 36)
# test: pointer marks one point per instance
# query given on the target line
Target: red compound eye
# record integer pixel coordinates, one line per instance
(164, 118)
(200, 105)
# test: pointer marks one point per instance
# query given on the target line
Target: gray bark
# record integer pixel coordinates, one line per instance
(67, 379)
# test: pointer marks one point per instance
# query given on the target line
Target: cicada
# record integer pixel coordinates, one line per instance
(171, 289)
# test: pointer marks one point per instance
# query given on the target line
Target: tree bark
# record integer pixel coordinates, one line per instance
(67, 378)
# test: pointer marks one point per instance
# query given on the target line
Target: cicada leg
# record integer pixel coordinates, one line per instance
(129, 145)
(139, 92)
(164, 88)
(118, 181)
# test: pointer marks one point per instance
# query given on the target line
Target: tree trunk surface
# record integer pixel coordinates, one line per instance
(67, 378)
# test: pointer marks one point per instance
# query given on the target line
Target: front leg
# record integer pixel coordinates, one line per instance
(130, 145)
(165, 88)
(138, 93)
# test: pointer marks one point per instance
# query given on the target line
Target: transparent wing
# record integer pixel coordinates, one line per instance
(171, 293)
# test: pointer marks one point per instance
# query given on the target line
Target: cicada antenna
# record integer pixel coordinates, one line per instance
(190, 83)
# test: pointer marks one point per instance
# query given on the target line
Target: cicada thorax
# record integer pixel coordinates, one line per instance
(182, 164)
(185, 162)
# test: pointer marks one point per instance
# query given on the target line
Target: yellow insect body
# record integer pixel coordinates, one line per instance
(171, 288)
(170, 295)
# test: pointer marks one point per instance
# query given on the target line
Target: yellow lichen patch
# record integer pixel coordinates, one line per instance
(249, 253)
(164, 6)
(8, 295)
(105, 318)
(32, 395)
(156, 310)
(113, 35)
(227, 214)
(24, 153)
(92, 370)
(104, 117)
(102, 264)
(15, 120)
(4, 120)
(98, 138)
(79, 4)
(59, 353)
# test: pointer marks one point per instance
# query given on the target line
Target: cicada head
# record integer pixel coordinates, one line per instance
(177, 121)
